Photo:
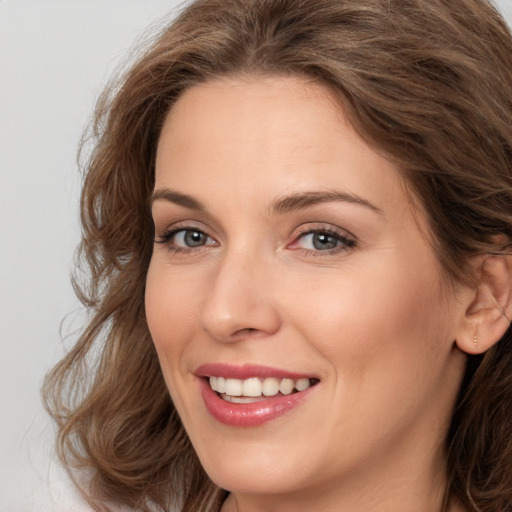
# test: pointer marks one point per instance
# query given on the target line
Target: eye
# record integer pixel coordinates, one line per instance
(319, 241)
(189, 238)
(322, 240)
(184, 239)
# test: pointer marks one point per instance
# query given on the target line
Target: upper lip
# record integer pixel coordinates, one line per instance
(246, 371)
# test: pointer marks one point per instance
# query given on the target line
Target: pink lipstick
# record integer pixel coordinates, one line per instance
(250, 395)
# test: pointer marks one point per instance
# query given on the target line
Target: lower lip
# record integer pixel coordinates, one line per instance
(253, 414)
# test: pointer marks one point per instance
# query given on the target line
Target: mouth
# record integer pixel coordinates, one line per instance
(256, 389)
(250, 395)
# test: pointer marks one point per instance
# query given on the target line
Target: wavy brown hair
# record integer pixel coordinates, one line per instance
(428, 83)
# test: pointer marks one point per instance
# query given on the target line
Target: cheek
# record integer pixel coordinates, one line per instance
(172, 315)
(371, 323)
(172, 312)
(382, 335)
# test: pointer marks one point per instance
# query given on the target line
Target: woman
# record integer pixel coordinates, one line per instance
(297, 219)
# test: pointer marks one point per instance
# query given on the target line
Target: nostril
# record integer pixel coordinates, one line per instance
(245, 331)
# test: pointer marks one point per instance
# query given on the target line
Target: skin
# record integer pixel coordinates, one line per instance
(373, 318)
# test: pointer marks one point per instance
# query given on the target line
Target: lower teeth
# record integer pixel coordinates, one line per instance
(241, 399)
(248, 399)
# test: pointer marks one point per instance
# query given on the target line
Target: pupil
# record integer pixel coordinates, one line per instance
(324, 241)
(194, 238)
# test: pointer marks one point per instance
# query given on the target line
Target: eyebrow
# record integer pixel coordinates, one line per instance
(280, 206)
(172, 196)
(302, 200)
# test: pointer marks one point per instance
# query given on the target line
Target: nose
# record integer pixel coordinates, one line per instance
(241, 301)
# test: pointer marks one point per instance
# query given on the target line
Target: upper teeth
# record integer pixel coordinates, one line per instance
(255, 387)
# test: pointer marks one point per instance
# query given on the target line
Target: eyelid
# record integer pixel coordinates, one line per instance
(166, 235)
(169, 227)
(173, 232)
(347, 239)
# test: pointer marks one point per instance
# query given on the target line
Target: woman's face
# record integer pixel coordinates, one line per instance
(290, 267)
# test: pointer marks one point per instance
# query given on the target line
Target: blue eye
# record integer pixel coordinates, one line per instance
(183, 239)
(189, 238)
(322, 240)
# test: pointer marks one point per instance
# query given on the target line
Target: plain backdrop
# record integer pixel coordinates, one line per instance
(55, 56)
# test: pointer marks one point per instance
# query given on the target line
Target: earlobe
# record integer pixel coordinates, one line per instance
(487, 316)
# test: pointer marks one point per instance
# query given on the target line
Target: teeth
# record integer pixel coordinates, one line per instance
(251, 387)
(240, 399)
(286, 386)
(233, 387)
(302, 384)
(270, 386)
(221, 384)
(218, 384)
(255, 387)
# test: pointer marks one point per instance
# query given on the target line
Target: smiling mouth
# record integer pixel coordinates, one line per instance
(257, 389)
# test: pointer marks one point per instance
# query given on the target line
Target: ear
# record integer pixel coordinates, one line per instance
(487, 317)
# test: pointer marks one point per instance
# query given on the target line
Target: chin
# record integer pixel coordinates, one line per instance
(254, 468)
(251, 480)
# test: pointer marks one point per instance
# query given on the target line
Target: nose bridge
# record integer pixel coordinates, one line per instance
(240, 298)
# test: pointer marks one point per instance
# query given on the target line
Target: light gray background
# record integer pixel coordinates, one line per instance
(55, 56)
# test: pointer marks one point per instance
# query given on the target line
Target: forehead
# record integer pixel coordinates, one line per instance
(234, 131)
(264, 110)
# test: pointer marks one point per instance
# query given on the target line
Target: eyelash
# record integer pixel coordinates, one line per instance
(167, 239)
(343, 241)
